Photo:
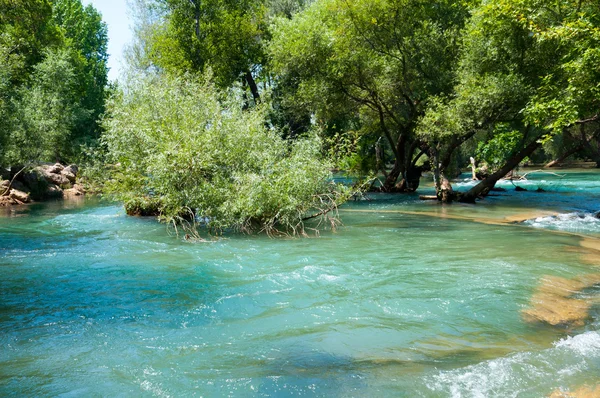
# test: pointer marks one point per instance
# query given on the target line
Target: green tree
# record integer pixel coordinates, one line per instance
(373, 61)
(526, 65)
(46, 112)
(179, 36)
(87, 35)
(192, 153)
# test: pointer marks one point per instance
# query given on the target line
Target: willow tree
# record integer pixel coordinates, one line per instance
(527, 70)
(189, 152)
(374, 61)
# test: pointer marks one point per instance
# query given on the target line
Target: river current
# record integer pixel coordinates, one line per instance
(406, 299)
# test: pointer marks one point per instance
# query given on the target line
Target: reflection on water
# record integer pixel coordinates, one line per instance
(409, 298)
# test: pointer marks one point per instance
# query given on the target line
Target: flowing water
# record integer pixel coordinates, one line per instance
(408, 298)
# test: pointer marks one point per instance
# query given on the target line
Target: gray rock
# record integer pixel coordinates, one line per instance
(55, 168)
(52, 177)
(54, 191)
(72, 168)
(69, 175)
(19, 195)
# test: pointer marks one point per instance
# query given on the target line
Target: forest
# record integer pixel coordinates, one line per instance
(234, 114)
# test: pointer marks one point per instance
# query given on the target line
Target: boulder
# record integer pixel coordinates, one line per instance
(71, 193)
(6, 201)
(20, 196)
(49, 174)
(72, 168)
(55, 168)
(54, 191)
(69, 175)
(18, 185)
(36, 183)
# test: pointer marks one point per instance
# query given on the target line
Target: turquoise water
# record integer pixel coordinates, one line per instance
(397, 302)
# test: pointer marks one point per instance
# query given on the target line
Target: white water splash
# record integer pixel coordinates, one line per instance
(576, 222)
(514, 375)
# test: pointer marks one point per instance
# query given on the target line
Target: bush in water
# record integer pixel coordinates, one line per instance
(196, 154)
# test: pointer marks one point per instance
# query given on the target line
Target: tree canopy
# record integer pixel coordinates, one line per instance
(54, 79)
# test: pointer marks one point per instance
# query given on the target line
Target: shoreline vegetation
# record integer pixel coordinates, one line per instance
(231, 117)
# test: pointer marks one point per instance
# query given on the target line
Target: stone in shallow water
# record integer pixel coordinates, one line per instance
(553, 302)
(583, 392)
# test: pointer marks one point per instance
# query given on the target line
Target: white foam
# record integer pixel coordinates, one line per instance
(583, 222)
(516, 374)
(586, 344)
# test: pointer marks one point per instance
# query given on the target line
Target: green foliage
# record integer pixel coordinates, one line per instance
(522, 63)
(87, 36)
(52, 79)
(183, 144)
(500, 147)
(179, 36)
(45, 112)
(375, 61)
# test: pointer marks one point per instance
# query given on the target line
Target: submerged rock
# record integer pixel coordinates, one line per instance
(583, 392)
(553, 302)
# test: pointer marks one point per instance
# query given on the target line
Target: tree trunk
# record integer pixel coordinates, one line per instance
(489, 182)
(253, 87)
(389, 184)
(565, 155)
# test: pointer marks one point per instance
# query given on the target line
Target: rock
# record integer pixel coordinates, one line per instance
(79, 187)
(48, 172)
(36, 183)
(583, 392)
(19, 196)
(72, 168)
(55, 168)
(71, 193)
(69, 175)
(519, 189)
(18, 185)
(6, 201)
(54, 191)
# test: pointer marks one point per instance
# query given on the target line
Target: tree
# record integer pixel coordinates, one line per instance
(179, 36)
(46, 112)
(527, 63)
(375, 61)
(190, 152)
(86, 34)
(53, 79)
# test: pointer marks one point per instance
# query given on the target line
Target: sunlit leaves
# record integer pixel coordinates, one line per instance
(190, 147)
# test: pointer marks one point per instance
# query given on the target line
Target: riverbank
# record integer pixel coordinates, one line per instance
(43, 182)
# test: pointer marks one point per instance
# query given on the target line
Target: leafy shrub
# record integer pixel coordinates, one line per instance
(194, 153)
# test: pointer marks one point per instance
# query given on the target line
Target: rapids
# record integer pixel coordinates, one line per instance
(407, 298)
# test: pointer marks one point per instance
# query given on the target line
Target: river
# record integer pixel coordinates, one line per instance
(406, 299)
